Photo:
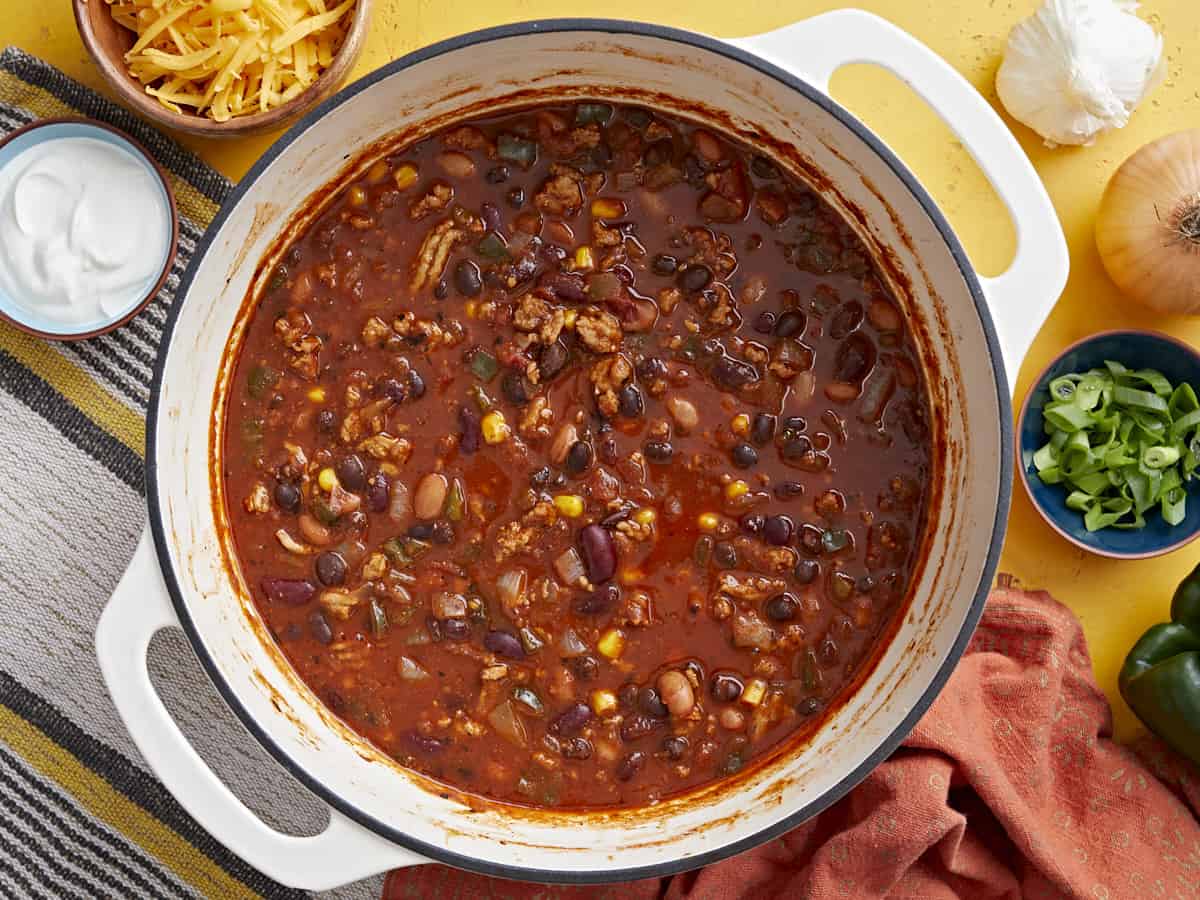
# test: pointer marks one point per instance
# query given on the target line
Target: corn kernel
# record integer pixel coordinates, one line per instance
(569, 318)
(472, 308)
(611, 643)
(378, 171)
(754, 692)
(584, 260)
(358, 197)
(607, 208)
(495, 429)
(740, 424)
(317, 394)
(604, 702)
(405, 176)
(736, 489)
(708, 521)
(632, 576)
(326, 479)
(645, 516)
(570, 505)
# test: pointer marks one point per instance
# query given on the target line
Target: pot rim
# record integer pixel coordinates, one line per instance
(438, 854)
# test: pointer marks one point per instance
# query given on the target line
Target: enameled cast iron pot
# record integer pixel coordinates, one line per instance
(771, 90)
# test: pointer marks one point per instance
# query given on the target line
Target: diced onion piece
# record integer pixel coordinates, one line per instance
(290, 544)
(569, 567)
(508, 724)
(411, 670)
(509, 588)
(571, 645)
(399, 506)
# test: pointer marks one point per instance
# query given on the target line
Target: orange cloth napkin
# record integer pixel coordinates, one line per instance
(1009, 787)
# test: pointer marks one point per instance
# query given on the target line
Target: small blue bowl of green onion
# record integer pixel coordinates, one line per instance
(1110, 444)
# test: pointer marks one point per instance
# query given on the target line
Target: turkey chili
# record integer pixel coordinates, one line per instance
(577, 457)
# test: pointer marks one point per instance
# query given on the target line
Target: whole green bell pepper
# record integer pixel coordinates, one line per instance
(1161, 677)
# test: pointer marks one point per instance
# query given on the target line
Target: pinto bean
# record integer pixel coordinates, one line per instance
(676, 691)
(430, 496)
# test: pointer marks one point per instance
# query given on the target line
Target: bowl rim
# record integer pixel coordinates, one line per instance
(117, 76)
(1019, 428)
(787, 79)
(173, 211)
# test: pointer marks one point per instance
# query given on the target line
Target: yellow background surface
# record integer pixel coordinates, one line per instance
(1116, 600)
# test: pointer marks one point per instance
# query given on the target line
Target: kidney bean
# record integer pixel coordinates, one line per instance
(470, 434)
(571, 720)
(430, 496)
(292, 591)
(553, 360)
(601, 600)
(599, 553)
(503, 643)
(319, 628)
(490, 214)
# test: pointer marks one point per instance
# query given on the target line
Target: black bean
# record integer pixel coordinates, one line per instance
(790, 324)
(782, 607)
(694, 277)
(470, 435)
(579, 458)
(441, 290)
(725, 687)
(636, 727)
(456, 629)
(796, 446)
(650, 368)
(725, 555)
(789, 490)
(778, 530)
(809, 706)
(379, 492)
(627, 695)
(732, 374)
(631, 402)
(846, 320)
(585, 668)
(351, 472)
(326, 420)
(287, 496)
(744, 456)
(810, 538)
(807, 571)
(599, 553)
(331, 569)
(607, 448)
(795, 424)
(553, 360)
(577, 748)
(658, 451)
(695, 670)
(752, 523)
(491, 216)
(443, 532)
(649, 702)
(421, 531)
(504, 643)
(416, 385)
(664, 264)
(542, 477)
(392, 388)
(514, 388)
(618, 515)
(765, 323)
(630, 766)
(319, 627)
(515, 197)
(571, 720)
(496, 175)
(675, 746)
(467, 279)
(764, 168)
(762, 429)
(828, 652)
(291, 591)
(865, 584)
(854, 359)
(565, 286)
(593, 603)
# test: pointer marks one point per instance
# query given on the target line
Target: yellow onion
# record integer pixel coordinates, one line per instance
(1148, 227)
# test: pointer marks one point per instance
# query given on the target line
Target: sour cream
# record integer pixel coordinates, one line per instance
(84, 230)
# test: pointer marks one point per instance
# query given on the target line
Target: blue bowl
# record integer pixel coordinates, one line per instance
(46, 130)
(1138, 350)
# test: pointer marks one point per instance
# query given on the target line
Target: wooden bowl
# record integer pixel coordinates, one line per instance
(107, 42)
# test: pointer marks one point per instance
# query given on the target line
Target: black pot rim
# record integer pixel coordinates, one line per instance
(798, 816)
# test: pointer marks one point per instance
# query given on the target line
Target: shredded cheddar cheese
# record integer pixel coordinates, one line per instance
(227, 58)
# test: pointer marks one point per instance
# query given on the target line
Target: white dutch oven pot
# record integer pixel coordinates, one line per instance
(770, 88)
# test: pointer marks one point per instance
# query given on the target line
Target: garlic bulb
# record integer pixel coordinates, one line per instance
(1076, 68)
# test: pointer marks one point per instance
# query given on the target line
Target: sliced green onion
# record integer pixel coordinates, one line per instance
(1137, 399)
(1160, 457)
(511, 148)
(484, 365)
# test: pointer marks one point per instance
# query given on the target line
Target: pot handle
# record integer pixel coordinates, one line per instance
(1021, 298)
(343, 852)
